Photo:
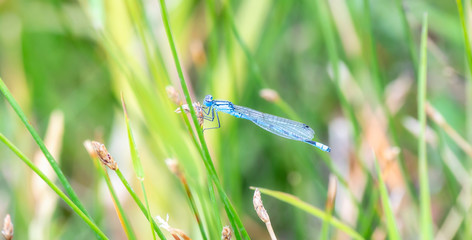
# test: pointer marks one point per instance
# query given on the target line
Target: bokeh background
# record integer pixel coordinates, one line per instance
(348, 69)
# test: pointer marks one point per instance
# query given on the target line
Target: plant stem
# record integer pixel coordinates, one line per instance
(56, 189)
(425, 205)
(232, 215)
(60, 175)
(140, 204)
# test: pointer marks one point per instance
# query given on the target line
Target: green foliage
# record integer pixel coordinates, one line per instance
(361, 73)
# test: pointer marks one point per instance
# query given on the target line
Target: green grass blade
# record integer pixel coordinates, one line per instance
(60, 175)
(369, 219)
(140, 204)
(251, 61)
(329, 206)
(141, 26)
(468, 50)
(137, 166)
(426, 221)
(175, 169)
(118, 207)
(373, 56)
(468, 54)
(329, 37)
(55, 188)
(387, 206)
(407, 33)
(296, 202)
(231, 212)
(193, 205)
(147, 208)
(379, 85)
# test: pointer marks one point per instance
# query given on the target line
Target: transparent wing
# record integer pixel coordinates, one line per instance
(281, 126)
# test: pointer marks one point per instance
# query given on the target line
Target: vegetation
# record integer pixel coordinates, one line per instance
(385, 84)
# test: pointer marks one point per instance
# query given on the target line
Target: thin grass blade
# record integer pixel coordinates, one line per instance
(296, 202)
(118, 207)
(387, 206)
(60, 175)
(231, 212)
(137, 166)
(55, 188)
(426, 221)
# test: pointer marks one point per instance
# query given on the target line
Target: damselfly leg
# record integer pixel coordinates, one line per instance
(211, 118)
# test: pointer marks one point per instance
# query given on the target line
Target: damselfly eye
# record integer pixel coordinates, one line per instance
(208, 100)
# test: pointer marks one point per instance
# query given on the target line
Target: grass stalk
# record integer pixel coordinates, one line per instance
(468, 54)
(465, 32)
(214, 204)
(139, 203)
(60, 175)
(174, 167)
(281, 103)
(118, 207)
(329, 37)
(392, 228)
(408, 35)
(137, 166)
(373, 58)
(55, 188)
(296, 202)
(368, 220)
(232, 215)
(330, 40)
(329, 206)
(193, 205)
(437, 117)
(140, 23)
(148, 210)
(379, 87)
(426, 221)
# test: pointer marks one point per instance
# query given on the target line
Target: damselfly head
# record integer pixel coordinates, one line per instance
(208, 100)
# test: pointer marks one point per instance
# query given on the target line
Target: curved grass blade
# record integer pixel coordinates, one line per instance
(174, 167)
(118, 207)
(60, 175)
(140, 204)
(55, 188)
(387, 206)
(468, 52)
(231, 212)
(407, 32)
(296, 202)
(137, 166)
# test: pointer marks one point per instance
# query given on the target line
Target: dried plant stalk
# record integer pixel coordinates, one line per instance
(262, 213)
(436, 116)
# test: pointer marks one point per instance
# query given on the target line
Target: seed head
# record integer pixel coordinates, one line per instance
(269, 95)
(226, 233)
(198, 110)
(173, 95)
(177, 234)
(259, 207)
(104, 156)
(7, 230)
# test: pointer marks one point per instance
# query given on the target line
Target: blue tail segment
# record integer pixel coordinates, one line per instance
(319, 145)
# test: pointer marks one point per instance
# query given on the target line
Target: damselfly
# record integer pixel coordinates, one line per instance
(281, 126)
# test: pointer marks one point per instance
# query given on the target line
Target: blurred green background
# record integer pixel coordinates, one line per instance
(346, 68)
